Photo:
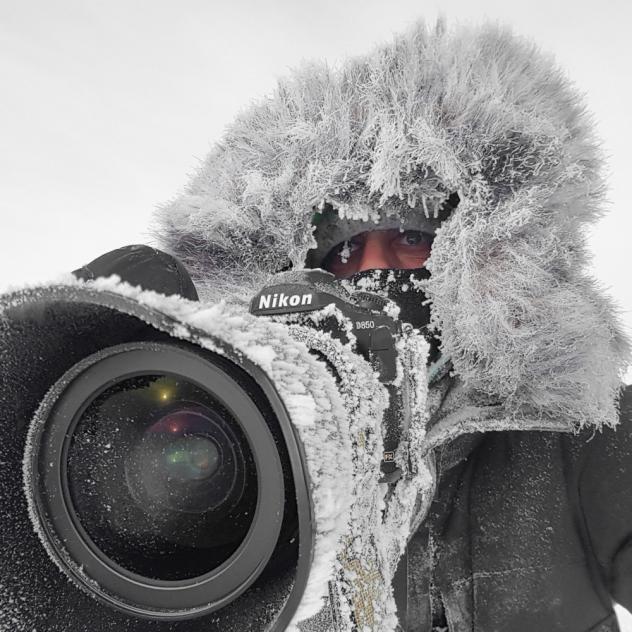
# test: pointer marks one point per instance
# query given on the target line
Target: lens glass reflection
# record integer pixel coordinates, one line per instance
(161, 477)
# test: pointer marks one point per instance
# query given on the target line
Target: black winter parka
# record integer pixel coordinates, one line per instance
(529, 531)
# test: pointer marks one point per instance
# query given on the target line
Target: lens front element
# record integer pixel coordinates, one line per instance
(161, 477)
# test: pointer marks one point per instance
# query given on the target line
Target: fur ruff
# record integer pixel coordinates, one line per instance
(473, 110)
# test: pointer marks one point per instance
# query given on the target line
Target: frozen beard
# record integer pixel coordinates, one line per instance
(404, 288)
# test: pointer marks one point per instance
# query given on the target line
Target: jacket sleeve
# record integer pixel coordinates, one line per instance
(605, 499)
(148, 267)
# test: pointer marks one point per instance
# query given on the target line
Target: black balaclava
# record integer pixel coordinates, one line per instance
(404, 288)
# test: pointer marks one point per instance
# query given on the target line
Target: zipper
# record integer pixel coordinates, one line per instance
(438, 621)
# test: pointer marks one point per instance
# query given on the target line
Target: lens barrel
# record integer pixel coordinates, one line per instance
(156, 481)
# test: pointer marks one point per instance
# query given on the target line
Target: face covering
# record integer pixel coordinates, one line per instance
(403, 287)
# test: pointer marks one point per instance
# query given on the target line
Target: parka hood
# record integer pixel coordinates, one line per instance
(476, 111)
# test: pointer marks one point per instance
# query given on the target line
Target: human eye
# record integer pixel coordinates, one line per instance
(353, 244)
(412, 248)
(412, 238)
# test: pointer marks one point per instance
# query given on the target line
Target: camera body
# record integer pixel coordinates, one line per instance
(362, 319)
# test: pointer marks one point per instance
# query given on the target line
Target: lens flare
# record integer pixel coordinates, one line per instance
(191, 458)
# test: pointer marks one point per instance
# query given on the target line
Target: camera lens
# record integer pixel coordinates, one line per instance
(161, 477)
(156, 481)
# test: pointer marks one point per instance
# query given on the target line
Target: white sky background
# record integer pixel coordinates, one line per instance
(105, 107)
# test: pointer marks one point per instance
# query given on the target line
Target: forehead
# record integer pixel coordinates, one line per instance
(383, 234)
(330, 229)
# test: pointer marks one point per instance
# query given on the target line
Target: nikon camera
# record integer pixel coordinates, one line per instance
(173, 465)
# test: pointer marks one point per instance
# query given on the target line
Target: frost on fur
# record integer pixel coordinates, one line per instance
(474, 110)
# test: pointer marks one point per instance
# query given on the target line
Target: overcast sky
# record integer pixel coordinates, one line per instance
(107, 106)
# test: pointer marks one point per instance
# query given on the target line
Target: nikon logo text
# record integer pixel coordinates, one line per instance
(268, 301)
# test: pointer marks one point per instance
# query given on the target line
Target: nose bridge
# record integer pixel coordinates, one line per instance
(374, 252)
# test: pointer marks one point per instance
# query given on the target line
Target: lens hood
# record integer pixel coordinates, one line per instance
(63, 347)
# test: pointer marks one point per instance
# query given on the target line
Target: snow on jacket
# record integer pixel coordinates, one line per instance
(531, 524)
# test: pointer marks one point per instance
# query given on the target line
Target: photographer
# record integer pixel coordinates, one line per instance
(453, 172)
(530, 526)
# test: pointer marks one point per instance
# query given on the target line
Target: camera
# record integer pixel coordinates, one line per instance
(171, 465)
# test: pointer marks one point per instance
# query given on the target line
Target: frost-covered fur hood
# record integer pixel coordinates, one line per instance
(474, 110)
